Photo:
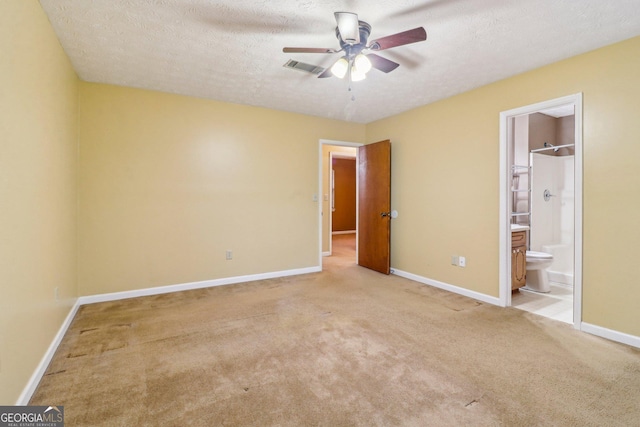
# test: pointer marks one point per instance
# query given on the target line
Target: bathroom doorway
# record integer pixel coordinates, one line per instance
(541, 152)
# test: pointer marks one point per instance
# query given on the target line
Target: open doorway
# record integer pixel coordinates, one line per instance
(541, 209)
(338, 233)
(342, 202)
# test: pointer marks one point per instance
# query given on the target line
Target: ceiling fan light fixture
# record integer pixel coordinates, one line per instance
(340, 68)
(353, 38)
(361, 63)
(357, 75)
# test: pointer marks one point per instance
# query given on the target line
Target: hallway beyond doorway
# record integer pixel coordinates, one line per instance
(343, 249)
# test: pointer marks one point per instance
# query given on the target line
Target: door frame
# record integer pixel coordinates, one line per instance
(320, 198)
(505, 212)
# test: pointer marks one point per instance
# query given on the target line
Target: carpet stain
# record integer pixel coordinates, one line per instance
(252, 317)
(450, 301)
(56, 372)
(72, 356)
(471, 404)
(123, 325)
(477, 303)
(114, 347)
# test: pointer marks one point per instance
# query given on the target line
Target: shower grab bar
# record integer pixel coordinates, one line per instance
(555, 147)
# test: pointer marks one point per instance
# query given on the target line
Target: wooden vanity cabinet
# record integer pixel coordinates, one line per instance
(518, 259)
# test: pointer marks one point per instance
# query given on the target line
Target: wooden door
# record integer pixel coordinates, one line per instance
(374, 198)
(343, 215)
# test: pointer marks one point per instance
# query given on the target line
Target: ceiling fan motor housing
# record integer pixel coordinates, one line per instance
(354, 49)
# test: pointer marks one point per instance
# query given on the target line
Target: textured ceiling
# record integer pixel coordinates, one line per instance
(231, 50)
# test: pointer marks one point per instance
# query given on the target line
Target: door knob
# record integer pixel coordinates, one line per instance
(547, 195)
(393, 214)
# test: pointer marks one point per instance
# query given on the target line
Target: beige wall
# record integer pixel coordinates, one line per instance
(445, 181)
(38, 148)
(168, 183)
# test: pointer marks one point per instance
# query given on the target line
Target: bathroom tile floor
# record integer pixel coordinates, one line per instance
(557, 304)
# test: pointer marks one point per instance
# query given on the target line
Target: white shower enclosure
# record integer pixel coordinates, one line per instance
(552, 213)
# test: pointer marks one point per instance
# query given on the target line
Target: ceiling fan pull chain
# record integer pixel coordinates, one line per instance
(349, 72)
(353, 96)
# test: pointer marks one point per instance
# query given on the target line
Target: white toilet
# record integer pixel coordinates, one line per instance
(537, 277)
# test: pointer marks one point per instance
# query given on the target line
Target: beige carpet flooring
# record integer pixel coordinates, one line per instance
(345, 347)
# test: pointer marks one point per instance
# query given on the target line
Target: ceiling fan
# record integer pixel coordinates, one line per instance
(353, 36)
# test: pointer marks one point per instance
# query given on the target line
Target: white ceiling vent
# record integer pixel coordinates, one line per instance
(297, 65)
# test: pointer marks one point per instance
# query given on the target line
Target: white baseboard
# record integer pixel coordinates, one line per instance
(326, 253)
(31, 386)
(344, 232)
(193, 285)
(610, 334)
(447, 287)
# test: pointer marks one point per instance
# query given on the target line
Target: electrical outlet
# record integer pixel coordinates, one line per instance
(462, 262)
(454, 260)
(229, 254)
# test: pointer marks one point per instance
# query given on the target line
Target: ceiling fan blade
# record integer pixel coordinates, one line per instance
(382, 64)
(308, 50)
(400, 39)
(348, 26)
